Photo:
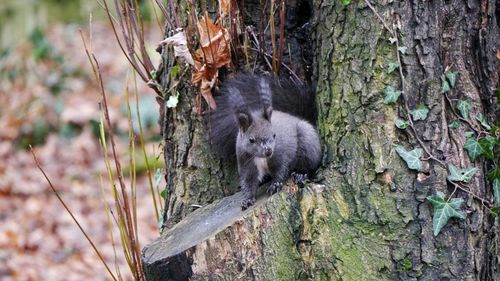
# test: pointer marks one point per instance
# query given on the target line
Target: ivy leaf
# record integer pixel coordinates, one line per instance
(483, 122)
(469, 134)
(445, 87)
(391, 67)
(401, 124)
(392, 40)
(412, 158)
(391, 95)
(496, 191)
(464, 106)
(345, 2)
(487, 144)
(444, 210)
(420, 113)
(452, 77)
(494, 174)
(457, 174)
(402, 49)
(172, 101)
(473, 148)
(455, 124)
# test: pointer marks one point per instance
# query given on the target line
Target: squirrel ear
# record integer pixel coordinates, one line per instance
(244, 121)
(268, 111)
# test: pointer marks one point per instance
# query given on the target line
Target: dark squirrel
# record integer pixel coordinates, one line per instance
(267, 124)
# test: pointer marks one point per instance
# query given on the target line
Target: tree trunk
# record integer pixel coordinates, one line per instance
(367, 218)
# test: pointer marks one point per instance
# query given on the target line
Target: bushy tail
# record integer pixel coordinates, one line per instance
(247, 93)
(296, 100)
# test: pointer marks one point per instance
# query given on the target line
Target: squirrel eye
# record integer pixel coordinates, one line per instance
(274, 136)
(251, 140)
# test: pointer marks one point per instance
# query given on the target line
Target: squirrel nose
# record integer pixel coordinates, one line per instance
(268, 151)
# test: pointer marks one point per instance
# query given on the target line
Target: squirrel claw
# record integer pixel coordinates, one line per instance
(246, 203)
(275, 187)
(299, 179)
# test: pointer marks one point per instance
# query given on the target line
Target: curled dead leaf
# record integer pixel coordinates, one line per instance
(206, 90)
(213, 54)
(224, 8)
(179, 42)
(214, 41)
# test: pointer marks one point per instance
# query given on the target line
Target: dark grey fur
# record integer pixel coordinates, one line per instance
(268, 142)
(243, 93)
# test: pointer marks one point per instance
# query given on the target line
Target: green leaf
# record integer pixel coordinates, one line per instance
(464, 175)
(391, 67)
(172, 101)
(420, 113)
(496, 191)
(464, 106)
(154, 75)
(455, 124)
(483, 122)
(494, 174)
(402, 49)
(473, 148)
(412, 158)
(174, 71)
(469, 134)
(345, 2)
(391, 95)
(445, 86)
(444, 210)
(401, 124)
(452, 77)
(487, 145)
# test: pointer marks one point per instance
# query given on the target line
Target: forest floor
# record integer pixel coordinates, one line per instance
(49, 99)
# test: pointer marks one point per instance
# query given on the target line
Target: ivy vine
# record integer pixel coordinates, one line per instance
(481, 141)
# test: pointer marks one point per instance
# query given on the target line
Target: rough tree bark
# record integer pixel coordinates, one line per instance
(367, 217)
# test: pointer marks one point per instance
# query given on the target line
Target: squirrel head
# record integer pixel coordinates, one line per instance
(256, 135)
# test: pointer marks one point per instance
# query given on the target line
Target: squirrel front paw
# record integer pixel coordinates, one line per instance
(299, 179)
(275, 187)
(246, 203)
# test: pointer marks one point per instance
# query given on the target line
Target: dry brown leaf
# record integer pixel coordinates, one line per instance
(224, 8)
(214, 41)
(206, 90)
(179, 42)
(213, 54)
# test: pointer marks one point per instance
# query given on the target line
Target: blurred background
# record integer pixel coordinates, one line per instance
(49, 99)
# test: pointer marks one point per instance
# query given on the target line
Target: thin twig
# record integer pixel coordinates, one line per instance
(143, 148)
(282, 35)
(126, 208)
(379, 17)
(403, 86)
(273, 37)
(131, 27)
(71, 214)
(259, 51)
(485, 202)
(458, 116)
(283, 64)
